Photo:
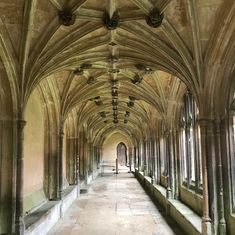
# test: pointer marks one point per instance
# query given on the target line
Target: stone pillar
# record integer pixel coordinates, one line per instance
(172, 162)
(212, 175)
(135, 157)
(100, 154)
(91, 159)
(170, 165)
(177, 170)
(95, 158)
(158, 165)
(81, 156)
(130, 158)
(142, 153)
(150, 156)
(144, 166)
(222, 222)
(60, 165)
(98, 157)
(19, 219)
(153, 158)
(139, 155)
(86, 159)
(167, 153)
(76, 161)
(206, 220)
(70, 160)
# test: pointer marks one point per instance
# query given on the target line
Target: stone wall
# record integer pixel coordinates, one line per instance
(33, 153)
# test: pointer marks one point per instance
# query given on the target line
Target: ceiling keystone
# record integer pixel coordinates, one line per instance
(155, 18)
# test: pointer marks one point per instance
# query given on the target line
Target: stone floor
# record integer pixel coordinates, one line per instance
(114, 205)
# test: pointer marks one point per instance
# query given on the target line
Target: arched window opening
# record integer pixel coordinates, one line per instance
(191, 165)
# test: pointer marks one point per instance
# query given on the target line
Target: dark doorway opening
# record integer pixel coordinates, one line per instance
(122, 154)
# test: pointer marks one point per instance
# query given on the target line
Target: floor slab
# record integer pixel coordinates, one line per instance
(115, 204)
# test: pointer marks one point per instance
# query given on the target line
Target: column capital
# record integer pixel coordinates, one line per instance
(203, 121)
(21, 124)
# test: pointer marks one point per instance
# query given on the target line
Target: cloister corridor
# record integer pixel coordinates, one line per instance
(115, 204)
(117, 117)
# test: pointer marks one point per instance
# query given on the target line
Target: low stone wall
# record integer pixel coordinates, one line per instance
(43, 219)
(186, 218)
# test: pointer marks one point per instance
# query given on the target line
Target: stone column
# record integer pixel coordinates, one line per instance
(77, 167)
(60, 165)
(149, 152)
(144, 157)
(134, 157)
(177, 170)
(81, 156)
(172, 162)
(153, 156)
(91, 160)
(206, 220)
(158, 178)
(222, 223)
(73, 161)
(138, 155)
(76, 161)
(98, 157)
(95, 157)
(170, 165)
(70, 160)
(19, 220)
(130, 158)
(86, 160)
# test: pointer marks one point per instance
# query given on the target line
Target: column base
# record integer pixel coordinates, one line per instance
(222, 227)
(78, 190)
(20, 226)
(206, 226)
(152, 180)
(168, 193)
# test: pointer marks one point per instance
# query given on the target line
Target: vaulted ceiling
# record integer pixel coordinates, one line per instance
(119, 64)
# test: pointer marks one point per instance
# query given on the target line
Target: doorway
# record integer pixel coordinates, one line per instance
(122, 154)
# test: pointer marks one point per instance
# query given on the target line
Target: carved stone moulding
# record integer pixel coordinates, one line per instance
(113, 22)
(114, 93)
(127, 114)
(130, 104)
(114, 102)
(66, 17)
(155, 18)
(132, 98)
(103, 114)
(98, 102)
(112, 44)
(91, 80)
(113, 71)
(136, 79)
(113, 59)
(115, 121)
(78, 71)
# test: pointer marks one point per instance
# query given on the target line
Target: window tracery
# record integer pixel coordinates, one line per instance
(190, 144)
